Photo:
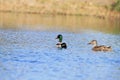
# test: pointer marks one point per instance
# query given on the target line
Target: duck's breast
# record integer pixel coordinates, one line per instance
(58, 45)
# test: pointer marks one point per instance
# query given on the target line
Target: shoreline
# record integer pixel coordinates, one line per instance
(110, 15)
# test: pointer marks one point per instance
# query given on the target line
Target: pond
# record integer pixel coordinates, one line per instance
(28, 47)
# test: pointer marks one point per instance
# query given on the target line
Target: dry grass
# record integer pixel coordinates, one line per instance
(64, 7)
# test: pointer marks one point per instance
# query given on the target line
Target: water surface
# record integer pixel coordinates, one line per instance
(28, 52)
(58, 23)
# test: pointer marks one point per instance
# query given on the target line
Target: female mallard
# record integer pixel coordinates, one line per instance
(99, 48)
(60, 44)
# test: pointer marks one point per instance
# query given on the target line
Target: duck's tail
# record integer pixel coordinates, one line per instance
(64, 45)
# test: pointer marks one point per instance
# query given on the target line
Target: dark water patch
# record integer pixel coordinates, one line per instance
(79, 60)
(47, 54)
(59, 59)
(29, 61)
(110, 61)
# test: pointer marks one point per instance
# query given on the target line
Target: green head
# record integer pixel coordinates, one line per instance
(60, 37)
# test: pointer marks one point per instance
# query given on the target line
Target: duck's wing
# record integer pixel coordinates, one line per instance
(102, 48)
(98, 48)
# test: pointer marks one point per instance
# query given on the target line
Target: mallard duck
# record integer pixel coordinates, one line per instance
(60, 44)
(99, 48)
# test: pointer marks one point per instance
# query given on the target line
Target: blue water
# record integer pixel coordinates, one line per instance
(32, 55)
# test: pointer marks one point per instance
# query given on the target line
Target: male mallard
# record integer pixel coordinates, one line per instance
(99, 48)
(60, 44)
